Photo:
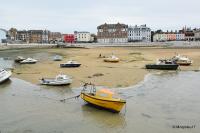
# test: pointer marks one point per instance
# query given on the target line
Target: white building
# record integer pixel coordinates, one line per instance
(180, 36)
(139, 33)
(83, 37)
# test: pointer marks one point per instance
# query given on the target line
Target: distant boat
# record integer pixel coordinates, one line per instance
(19, 59)
(58, 80)
(112, 58)
(103, 98)
(4, 75)
(182, 60)
(70, 63)
(28, 61)
(163, 65)
(57, 58)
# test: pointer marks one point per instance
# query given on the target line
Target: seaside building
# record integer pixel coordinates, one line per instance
(139, 33)
(168, 36)
(159, 37)
(197, 35)
(38, 36)
(180, 36)
(171, 36)
(54, 37)
(112, 33)
(83, 37)
(189, 34)
(23, 36)
(68, 38)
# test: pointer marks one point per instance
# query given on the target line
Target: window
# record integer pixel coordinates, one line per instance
(100, 30)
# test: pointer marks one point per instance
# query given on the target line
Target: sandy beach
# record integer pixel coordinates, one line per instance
(129, 71)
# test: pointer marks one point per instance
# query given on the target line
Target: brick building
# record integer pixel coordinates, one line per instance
(112, 33)
(38, 36)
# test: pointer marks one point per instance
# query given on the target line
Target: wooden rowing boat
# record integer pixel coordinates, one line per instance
(103, 98)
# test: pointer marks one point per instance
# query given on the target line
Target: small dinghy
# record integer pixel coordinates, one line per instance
(112, 58)
(28, 61)
(58, 80)
(4, 75)
(19, 59)
(57, 58)
(70, 63)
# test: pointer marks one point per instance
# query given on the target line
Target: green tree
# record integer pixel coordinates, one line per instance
(13, 33)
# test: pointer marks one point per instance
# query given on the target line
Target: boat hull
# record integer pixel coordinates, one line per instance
(70, 65)
(162, 67)
(57, 59)
(184, 63)
(113, 105)
(54, 83)
(113, 61)
(18, 60)
(3, 79)
(27, 62)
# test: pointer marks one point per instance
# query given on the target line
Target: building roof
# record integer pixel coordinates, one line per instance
(112, 26)
(81, 32)
(22, 32)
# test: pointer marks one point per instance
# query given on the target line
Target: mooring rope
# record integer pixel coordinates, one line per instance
(74, 97)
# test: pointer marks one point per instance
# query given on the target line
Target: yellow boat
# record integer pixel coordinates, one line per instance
(103, 98)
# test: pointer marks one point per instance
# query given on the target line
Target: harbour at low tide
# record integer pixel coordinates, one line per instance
(157, 104)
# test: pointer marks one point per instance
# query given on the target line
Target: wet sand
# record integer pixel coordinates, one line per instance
(129, 71)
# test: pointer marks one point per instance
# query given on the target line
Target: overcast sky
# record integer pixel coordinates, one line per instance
(85, 15)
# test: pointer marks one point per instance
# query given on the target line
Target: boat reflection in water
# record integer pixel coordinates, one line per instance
(103, 117)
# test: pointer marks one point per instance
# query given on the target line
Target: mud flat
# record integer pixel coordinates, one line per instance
(129, 71)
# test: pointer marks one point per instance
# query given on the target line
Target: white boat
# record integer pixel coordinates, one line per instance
(4, 75)
(58, 80)
(57, 58)
(182, 60)
(28, 61)
(112, 58)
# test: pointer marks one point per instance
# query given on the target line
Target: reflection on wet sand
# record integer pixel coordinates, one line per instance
(109, 118)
